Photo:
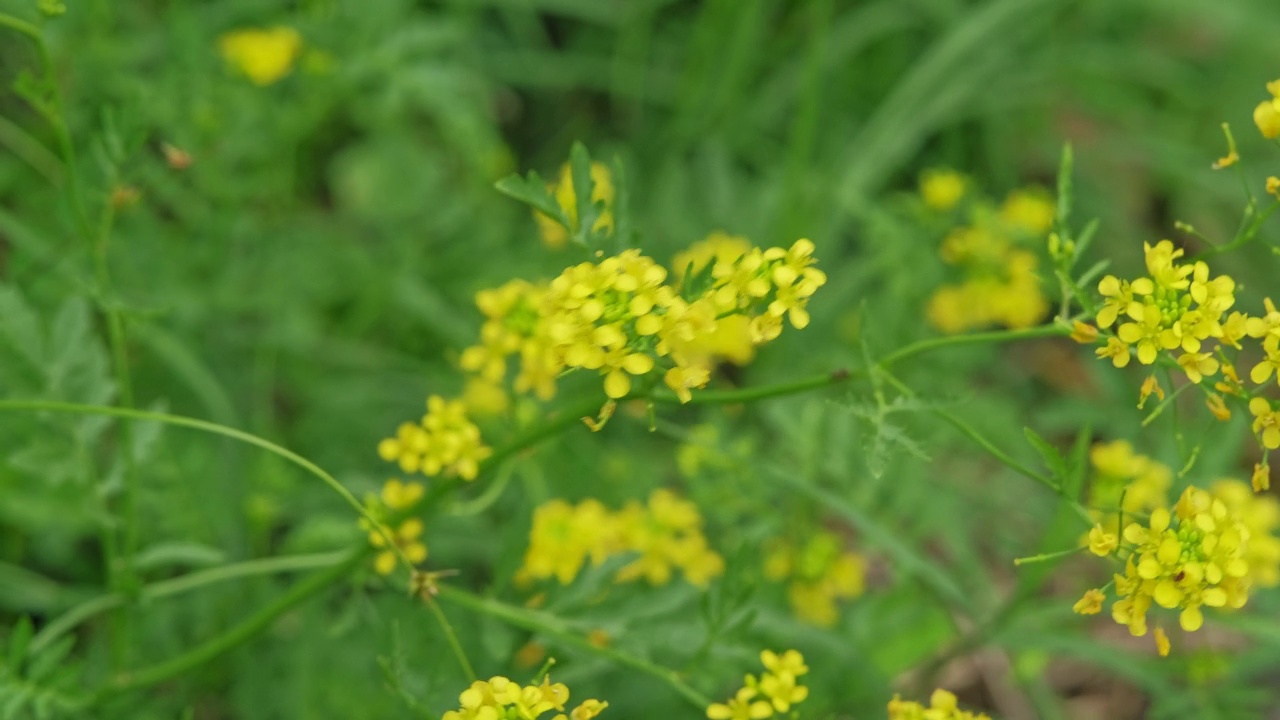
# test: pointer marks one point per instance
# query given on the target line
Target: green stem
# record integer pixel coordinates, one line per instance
(724, 397)
(236, 636)
(452, 637)
(970, 339)
(1241, 239)
(174, 586)
(554, 627)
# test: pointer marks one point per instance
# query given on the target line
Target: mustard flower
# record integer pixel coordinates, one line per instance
(1266, 422)
(1273, 186)
(1260, 515)
(445, 441)
(1030, 210)
(1162, 642)
(1185, 559)
(1116, 350)
(554, 235)
(942, 189)
(775, 691)
(499, 697)
(943, 705)
(1150, 386)
(1197, 365)
(1090, 603)
(405, 537)
(1261, 479)
(1270, 364)
(819, 574)
(1218, 407)
(1102, 543)
(263, 55)
(1267, 114)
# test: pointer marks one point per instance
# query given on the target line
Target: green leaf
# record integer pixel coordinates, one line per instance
(584, 192)
(532, 190)
(1052, 456)
(19, 638)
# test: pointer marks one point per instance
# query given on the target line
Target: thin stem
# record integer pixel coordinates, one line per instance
(209, 427)
(1044, 557)
(452, 637)
(550, 625)
(972, 338)
(723, 397)
(1243, 238)
(174, 586)
(234, 637)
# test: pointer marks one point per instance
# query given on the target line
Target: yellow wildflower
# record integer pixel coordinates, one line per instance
(1260, 515)
(1090, 603)
(1102, 543)
(1162, 642)
(819, 574)
(1266, 422)
(405, 538)
(263, 55)
(1150, 387)
(942, 189)
(445, 441)
(1030, 210)
(1273, 185)
(1084, 333)
(1261, 479)
(776, 690)
(553, 233)
(1267, 114)
(943, 705)
(1185, 559)
(1218, 407)
(1122, 473)
(499, 697)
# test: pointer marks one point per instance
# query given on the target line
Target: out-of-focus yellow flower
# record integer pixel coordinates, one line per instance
(485, 398)
(1084, 333)
(666, 533)
(1273, 186)
(445, 441)
(1162, 642)
(1261, 480)
(1260, 515)
(554, 235)
(943, 705)
(1150, 386)
(942, 189)
(819, 574)
(1266, 422)
(1030, 210)
(396, 498)
(1267, 115)
(1218, 407)
(263, 55)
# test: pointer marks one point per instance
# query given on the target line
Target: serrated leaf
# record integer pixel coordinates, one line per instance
(532, 190)
(20, 327)
(1051, 455)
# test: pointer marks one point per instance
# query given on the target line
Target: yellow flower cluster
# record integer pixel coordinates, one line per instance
(819, 575)
(1195, 556)
(396, 498)
(1176, 307)
(731, 339)
(774, 692)
(445, 441)
(263, 55)
(620, 318)
(1260, 515)
(1267, 115)
(666, 533)
(999, 284)
(498, 698)
(943, 705)
(554, 235)
(1119, 472)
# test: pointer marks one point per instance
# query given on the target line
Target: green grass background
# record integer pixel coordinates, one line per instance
(310, 279)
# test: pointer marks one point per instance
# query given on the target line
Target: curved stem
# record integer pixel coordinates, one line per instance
(174, 586)
(234, 637)
(555, 627)
(761, 392)
(451, 637)
(216, 429)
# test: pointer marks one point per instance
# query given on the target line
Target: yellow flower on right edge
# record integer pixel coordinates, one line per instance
(264, 55)
(776, 691)
(1267, 115)
(943, 705)
(499, 697)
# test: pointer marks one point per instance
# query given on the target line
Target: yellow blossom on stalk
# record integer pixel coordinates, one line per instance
(513, 327)
(1218, 407)
(1084, 333)
(499, 697)
(1102, 543)
(1176, 307)
(1260, 515)
(396, 497)
(554, 235)
(942, 189)
(263, 55)
(444, 442)
(943, 705)
(1266, 422)
(1267, 114)
(1090, 603)
(1261, 480)
(781, 280)
(1030, 210)
(1273, 186)
(775, 691)
(819, 574)
(666, 533)
(1192, 557)
(1150, 386)
(731, 339)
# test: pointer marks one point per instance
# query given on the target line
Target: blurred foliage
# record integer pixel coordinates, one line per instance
(299, 260)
